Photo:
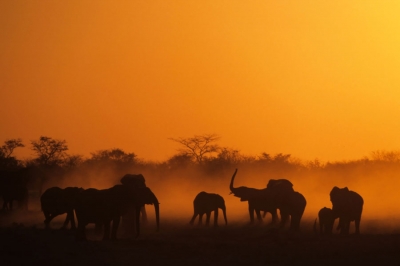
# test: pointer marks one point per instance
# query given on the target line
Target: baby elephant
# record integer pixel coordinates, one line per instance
(326, 220)
(205, 203)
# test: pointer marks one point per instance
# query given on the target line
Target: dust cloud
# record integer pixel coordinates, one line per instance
(176, 190)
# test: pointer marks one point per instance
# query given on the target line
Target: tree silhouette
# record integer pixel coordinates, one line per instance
(9, 146)
(7, 161)
(49, 151)
(199, 146)
(116, 155)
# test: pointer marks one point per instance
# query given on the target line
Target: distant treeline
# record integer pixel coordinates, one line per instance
(200, 159)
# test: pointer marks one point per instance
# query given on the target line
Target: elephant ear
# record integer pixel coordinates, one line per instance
(146, 196)
(338, 193)
(279, 190)
(334, 192)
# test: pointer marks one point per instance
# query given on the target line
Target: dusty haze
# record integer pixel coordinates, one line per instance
(177, 192)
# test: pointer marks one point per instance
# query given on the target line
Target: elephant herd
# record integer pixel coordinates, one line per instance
(127, 199)
(100, 206)
(279, 195)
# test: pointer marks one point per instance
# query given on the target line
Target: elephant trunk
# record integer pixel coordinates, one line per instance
(231, 185)
(157, 210)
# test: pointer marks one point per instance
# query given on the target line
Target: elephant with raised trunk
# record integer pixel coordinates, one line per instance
(205, 203)
(347, 205)
(256, 201)
(107, 205)
(278, 194)
(56, 201)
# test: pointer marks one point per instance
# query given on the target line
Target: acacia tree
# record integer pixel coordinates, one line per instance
(6, 151)
(49, 151)
(199, 146)
(9, 146)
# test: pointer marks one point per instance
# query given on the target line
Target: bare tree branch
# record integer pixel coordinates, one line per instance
(198, 146)
(9, 146)
(49, 150)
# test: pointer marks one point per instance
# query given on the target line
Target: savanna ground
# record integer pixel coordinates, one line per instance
(24, 241)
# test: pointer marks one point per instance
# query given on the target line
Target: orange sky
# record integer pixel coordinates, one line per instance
(316, 79)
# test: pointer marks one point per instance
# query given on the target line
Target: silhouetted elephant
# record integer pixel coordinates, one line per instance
(106, 205)
(347, 205)
(291, 203)
(135, 181)
(56, 201)
(13, 187)
(326, 220)
(205, 203)
(256, 200)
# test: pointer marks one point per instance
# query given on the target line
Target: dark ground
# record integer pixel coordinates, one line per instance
(25, 242)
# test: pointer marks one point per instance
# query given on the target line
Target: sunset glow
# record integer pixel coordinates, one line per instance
(116, 114)
(309, 78)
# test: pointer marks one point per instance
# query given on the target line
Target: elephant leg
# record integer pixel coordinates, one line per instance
(201, 218)
(357, 225)
(343, 230)
(47, 220)
(115, 227)
(66, 221)
(329, 226)
(216, 217)
(321, 228)
(137, 220)
(258, 214)
(80, 232)
(344, 224)
(69, 218)
(284, 218)
(72, 220)
(50, 217)
(106, 235)
(251, 213)
(347, 227)
(208, 214)
(295, 223)
(274, 216)
(193, 218)
(144, 214)
(339, 225)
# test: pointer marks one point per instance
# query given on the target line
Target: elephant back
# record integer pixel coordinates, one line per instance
(133, 180)
(279, 189)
